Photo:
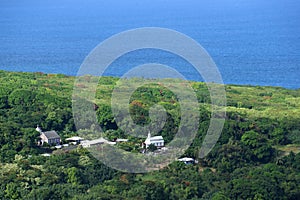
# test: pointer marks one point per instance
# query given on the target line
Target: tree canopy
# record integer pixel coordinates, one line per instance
(256, 157)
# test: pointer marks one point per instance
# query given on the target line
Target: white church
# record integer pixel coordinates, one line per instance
(158, 141)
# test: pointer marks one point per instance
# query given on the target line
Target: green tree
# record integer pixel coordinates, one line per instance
(260, 146)
(152, 147)
(278, 136)
(73, 175)
(11, 191)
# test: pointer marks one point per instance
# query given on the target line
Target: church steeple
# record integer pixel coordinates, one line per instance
(38, 129)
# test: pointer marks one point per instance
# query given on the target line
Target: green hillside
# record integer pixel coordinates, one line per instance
(256, 157)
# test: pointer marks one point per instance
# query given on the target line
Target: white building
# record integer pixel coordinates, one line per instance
(187, 160)
(75, 140)
(158, 141)
(89, 143)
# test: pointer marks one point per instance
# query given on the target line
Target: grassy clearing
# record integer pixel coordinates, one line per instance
(295, 148)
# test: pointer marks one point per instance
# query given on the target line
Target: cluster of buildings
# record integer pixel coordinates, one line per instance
(53, 139)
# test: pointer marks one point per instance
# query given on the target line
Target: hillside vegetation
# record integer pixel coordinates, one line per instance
(256, 157)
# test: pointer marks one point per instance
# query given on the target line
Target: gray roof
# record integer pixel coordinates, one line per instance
(51, 134)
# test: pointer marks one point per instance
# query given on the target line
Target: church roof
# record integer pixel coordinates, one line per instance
(51, 134)
(155, 138)
(150, 139)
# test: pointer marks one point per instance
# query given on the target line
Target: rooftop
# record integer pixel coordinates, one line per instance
(121, 140)
(185, 159)
(93, 142)
(51, 134)
(74, 138)
(156, 138)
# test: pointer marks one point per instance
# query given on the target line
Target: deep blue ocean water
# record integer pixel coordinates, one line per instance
(252, 42)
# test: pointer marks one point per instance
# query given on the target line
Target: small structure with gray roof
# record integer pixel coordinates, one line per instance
(50, 137)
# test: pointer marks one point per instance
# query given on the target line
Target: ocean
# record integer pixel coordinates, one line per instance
(252, 42)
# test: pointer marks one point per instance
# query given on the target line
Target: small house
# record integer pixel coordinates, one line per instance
(187, 160)
(50, 137)
(119, 140)
(89, 143)
(75, 140)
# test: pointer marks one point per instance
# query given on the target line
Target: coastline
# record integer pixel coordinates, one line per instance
(226, 84)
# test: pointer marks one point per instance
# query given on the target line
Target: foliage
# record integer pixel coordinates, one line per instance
(256, 156)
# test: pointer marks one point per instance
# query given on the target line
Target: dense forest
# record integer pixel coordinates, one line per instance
(256, 157)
